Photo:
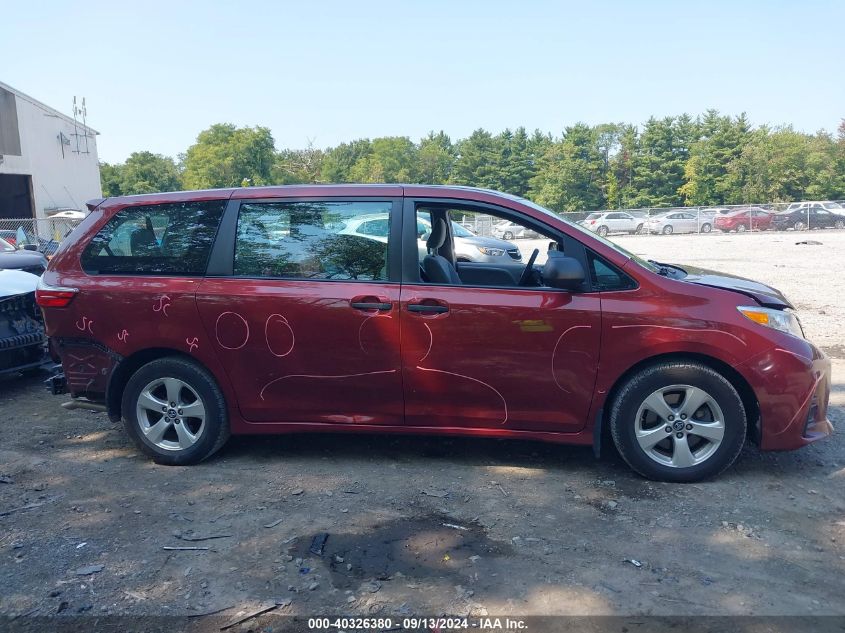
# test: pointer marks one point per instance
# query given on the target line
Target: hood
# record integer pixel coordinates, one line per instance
(763, 294)
(489, 242)
(16, 282)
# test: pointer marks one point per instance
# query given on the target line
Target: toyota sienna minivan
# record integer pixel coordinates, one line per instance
(195, 315)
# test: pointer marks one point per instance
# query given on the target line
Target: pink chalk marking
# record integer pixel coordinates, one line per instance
(430, 342)
(480, 382)
(122, 336)
(193, 343)
(683, 329)
(801, 356)
(361, 328)
(267, 337)
(86, 325)
(554, 353)
(162, 306)
(368, 373)
(217, 330)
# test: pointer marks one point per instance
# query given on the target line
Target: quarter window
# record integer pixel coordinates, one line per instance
(161, 239)
(313, 240)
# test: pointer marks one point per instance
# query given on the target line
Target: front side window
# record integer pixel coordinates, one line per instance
(159, 239)
(342, 241)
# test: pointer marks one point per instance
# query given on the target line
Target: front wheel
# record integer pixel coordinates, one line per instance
(174, 411)
(678, 421)
(668, 229)
(508, 235)
(839, 224)
(799, 226)
(741, 228)
(638, 230)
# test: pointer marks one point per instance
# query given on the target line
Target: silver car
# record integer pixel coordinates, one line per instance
(679, 222)
(469, 247)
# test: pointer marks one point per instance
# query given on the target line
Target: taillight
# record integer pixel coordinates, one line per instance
(592, 221)
(48, 296)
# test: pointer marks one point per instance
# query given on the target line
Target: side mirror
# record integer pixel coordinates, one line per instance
(563, 272)
(30, 247)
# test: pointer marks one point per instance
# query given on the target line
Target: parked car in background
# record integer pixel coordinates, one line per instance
(513, 231)
(29, 261)
(679, 222)
(744, 219)
(202, 332)
(814, 215)
(469, 247)
(606, 222)
(22, 338)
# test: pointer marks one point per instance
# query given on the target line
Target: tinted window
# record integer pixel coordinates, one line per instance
(605, 276)
(313, 240)
(161, 239)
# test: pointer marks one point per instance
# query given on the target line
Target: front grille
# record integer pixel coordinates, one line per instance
(514, 253)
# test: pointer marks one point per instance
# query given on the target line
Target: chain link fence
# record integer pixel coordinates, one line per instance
(745, 218)
(44, 234)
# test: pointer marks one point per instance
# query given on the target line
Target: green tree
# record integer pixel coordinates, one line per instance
(110, 179)
(707, 172)
(298, 166)
(435, 158)
(476, 164)
(658, 165)
(339, 161)
(224, 155)
(392, 159)
(569, 174)
(143, 172)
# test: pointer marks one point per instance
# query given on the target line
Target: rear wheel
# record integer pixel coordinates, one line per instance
(678, 421)
(799, 225)
(508, 235)
(741, 228)
(639, 229)
(174, 411)
(706, 228)
(603, 231)
(839, 224)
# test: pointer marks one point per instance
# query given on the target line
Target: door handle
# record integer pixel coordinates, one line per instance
(427, 308)
(364, 305)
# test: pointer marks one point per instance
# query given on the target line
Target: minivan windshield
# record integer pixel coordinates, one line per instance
(645, 264)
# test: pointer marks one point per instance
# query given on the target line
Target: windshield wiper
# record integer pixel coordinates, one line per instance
(662, 269)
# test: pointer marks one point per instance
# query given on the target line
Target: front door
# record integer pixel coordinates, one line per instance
(307, 324)
(503, 357)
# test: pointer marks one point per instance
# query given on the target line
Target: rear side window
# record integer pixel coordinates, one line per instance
(341, 241)
(160, 239)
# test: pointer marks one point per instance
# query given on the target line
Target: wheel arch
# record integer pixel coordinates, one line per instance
(127, 367)
(746, 393)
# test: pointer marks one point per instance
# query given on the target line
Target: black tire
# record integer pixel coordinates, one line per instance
(633, 393)
(799, 225)
(215, 429)
(639, 230)
(741, 228)
(668, 229)
(706, 228)
(507, 235)
(839, 224)
(603, 231)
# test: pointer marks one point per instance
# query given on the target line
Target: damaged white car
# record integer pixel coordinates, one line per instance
(23, 345)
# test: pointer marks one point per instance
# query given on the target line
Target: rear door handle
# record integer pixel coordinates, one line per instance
(427, 308)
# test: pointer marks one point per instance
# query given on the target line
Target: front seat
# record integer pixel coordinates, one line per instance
(437, 268)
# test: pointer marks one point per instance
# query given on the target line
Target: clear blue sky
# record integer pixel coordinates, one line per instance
(155, 73)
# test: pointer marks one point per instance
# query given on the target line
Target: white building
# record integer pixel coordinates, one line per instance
(48, 161)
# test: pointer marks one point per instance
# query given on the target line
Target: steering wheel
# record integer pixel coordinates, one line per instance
(529, 268)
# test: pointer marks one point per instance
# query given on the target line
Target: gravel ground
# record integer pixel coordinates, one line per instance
(424, 526)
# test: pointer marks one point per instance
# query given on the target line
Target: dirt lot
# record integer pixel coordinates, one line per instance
(430, 526)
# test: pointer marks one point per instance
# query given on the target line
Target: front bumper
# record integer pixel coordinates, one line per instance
(792, 385)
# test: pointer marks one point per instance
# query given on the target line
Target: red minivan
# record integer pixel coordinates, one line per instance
(194, 315)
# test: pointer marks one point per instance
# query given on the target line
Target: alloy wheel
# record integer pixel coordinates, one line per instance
(679, 426)
(170, 413)
(798, 226)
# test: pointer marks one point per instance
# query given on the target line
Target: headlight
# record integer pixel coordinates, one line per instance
(492, 252)
(783, 320)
